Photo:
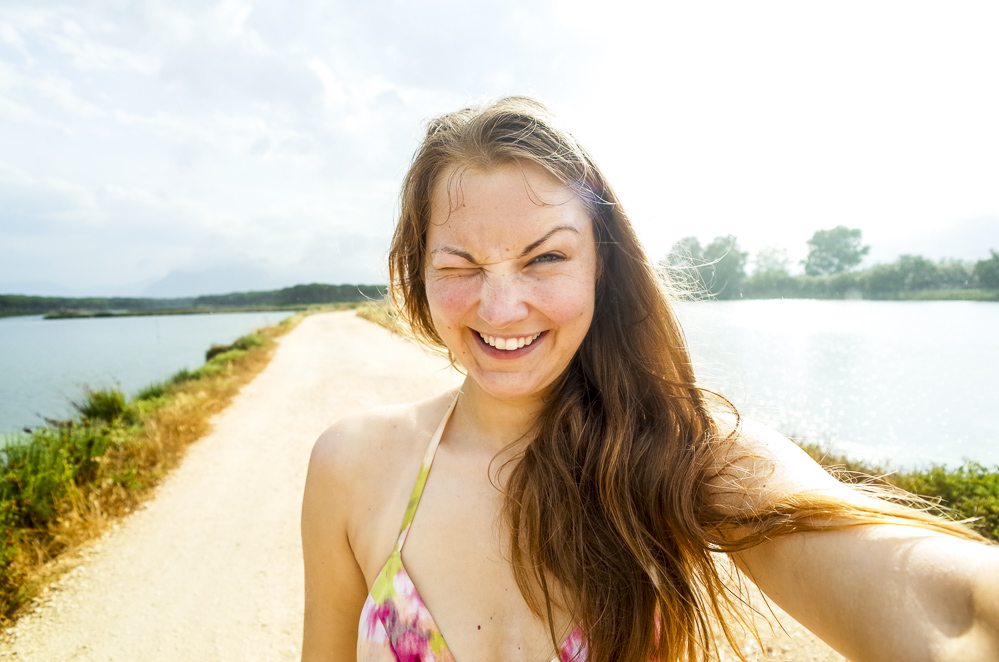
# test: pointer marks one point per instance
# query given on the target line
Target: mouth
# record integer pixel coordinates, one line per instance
(509, 347)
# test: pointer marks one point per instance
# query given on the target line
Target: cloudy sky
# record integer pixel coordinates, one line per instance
(175, 147)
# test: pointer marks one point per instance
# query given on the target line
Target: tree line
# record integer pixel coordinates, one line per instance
(298, 295)
(831, 270)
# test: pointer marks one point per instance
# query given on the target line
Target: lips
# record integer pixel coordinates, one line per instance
(509, 344)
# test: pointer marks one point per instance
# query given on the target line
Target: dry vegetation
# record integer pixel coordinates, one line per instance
(382, 312)
(63, 484)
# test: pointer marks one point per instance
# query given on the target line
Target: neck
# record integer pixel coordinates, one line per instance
(488, 424)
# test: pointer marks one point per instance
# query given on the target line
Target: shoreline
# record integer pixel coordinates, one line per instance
(187, 310)
(90, 314)
(188, 565)
(187, 574)
(63, 483)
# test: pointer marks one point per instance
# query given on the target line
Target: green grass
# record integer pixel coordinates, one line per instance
(969, 491)
(61, 484)
(950, 295)
(107, 405)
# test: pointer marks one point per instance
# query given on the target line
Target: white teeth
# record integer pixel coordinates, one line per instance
(509, 344)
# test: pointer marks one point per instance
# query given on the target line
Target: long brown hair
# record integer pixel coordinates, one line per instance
(611, 511)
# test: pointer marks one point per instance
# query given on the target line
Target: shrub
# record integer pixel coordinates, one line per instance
(106, 405)
(249, 341)
(970, 491)
(8, 532)
(181, 376)
(151, 392)
(215, 350)
(227, 357)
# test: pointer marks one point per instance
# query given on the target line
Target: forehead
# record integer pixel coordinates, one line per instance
(501, 204)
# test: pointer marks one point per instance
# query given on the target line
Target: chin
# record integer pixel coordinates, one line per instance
(510, 390)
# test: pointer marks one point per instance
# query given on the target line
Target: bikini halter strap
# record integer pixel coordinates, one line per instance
(421, 477)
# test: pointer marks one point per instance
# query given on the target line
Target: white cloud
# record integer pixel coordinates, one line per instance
(280, 132)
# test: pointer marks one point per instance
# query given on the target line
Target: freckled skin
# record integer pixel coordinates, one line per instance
(479, 280)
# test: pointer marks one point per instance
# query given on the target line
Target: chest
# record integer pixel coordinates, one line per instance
(456, 554)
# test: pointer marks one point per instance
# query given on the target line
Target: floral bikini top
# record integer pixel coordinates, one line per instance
(396, 625)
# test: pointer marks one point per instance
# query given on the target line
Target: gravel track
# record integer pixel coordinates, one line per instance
(210, 568)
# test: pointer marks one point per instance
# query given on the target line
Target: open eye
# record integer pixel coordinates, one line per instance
(547, 258)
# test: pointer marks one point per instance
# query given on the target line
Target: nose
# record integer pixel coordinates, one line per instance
(502, 301)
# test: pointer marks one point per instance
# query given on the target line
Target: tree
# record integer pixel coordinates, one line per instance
(724, 268)
(771, 275)
(918, 273)
(883, 280)
(682, 265)
(772, 261)
(954, 273)
(717, 269)
(987, 271)
(834, 251)
(685, 252)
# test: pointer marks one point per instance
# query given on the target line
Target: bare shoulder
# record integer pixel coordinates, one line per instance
(756, 464)
(359, 448)
(345, 492)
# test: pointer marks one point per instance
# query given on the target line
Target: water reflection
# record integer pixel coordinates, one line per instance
(905, 382)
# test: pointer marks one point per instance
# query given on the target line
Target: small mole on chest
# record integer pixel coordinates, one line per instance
(478, 627)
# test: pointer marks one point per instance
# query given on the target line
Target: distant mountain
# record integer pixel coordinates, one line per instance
(220, 278)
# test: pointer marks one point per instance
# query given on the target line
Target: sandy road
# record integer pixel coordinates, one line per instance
(210, 569)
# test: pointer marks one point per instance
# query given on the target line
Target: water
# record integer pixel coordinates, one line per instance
(45, 364)
(910, 383)
(907, 382)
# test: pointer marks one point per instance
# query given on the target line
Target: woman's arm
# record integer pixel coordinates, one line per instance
(873, 592)
(334, 585)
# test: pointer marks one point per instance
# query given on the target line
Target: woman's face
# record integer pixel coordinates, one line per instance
(510, 274)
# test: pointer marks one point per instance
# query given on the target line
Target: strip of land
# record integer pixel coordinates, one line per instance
(210, 569)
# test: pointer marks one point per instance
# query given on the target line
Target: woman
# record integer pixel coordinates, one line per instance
(581, 481)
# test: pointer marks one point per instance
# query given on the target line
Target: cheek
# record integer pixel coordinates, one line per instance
(567, 300)
(450, 298)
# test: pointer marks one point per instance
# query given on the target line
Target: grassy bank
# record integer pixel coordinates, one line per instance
(970, 491)
(950, 295)
(62, 484)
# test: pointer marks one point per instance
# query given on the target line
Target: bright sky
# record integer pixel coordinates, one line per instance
(181, 147)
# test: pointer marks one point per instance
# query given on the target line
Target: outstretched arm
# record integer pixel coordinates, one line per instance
(873, 592)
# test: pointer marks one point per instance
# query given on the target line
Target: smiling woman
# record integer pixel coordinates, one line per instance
(583, 482)
(512, 301)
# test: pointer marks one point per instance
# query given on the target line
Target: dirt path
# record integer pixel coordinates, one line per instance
(210, 569)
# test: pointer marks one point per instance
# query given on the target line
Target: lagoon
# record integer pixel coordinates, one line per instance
(46, 364)
(907, 383)
(910, 383)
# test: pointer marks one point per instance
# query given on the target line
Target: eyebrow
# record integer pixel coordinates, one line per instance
(451, 250)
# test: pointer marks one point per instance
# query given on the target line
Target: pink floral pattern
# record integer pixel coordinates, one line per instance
(395, 624)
